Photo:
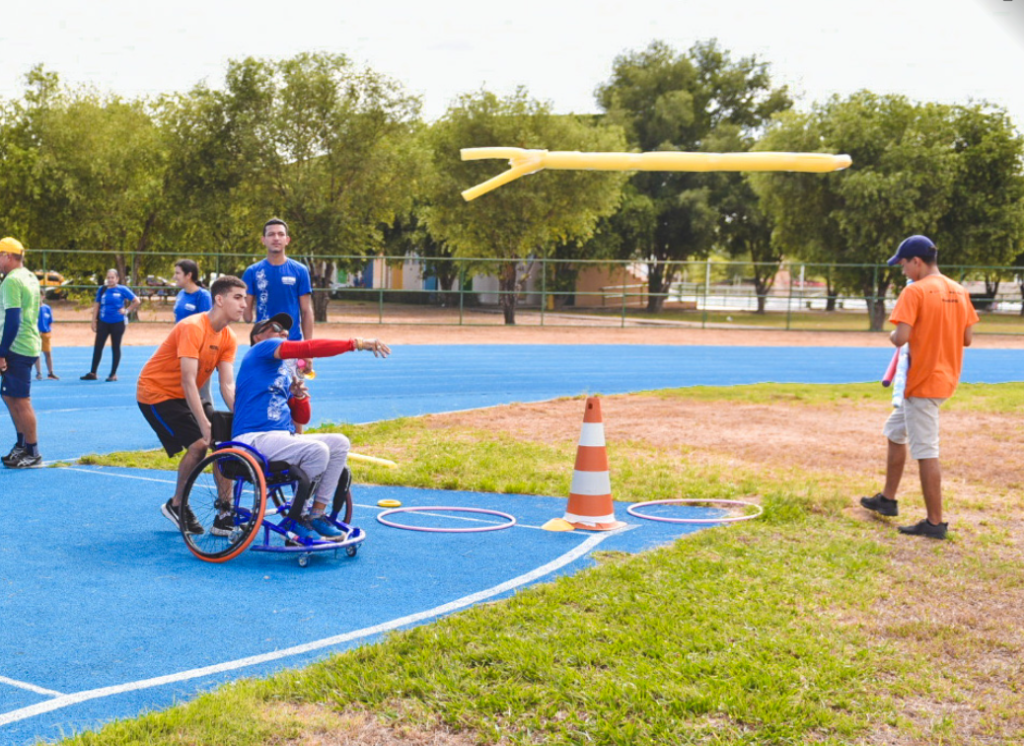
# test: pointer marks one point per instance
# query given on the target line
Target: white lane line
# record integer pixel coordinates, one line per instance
(67, 700)
(122, 476)
(29, 687)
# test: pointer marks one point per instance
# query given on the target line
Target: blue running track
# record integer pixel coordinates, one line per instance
(106, 615)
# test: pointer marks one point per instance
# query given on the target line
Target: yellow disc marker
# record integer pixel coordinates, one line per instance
(389, 504)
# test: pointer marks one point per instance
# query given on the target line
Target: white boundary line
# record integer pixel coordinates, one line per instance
(30, 687)
(66, 700)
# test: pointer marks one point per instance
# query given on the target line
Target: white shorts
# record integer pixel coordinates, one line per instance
(916, 423)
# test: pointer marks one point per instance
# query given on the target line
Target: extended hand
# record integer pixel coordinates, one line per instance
(378, 348)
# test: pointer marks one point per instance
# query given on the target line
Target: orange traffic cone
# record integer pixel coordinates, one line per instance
(590, 494)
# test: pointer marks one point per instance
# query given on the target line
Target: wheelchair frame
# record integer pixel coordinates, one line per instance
(257, 493)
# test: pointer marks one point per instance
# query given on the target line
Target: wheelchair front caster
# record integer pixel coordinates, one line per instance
(303, 560)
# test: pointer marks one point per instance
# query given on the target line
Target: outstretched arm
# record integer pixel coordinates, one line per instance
(328, 348)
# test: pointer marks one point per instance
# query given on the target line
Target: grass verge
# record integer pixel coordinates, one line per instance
(808, 626)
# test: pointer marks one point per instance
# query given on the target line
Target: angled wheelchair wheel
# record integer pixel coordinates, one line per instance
(341, 510)
(228, 495)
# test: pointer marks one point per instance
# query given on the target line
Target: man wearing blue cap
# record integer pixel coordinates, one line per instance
(935, 316)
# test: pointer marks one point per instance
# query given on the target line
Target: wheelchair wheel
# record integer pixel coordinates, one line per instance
(341, 510)
(228, 494)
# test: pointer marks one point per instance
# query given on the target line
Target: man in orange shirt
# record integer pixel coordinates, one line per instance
(935, 315)
(168, 389)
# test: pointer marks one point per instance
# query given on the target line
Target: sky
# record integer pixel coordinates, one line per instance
(951, 51)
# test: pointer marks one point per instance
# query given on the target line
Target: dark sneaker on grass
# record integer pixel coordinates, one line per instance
(223, 525)
(13, 456)
(24, 461)
(173, 514)
(926, 528)
(881, 504)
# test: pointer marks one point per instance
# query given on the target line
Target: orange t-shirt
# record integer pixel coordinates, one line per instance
(938, 310)
(193, 337)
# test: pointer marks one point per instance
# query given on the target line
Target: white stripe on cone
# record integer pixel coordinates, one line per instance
(592, 434)
(591, 520)
(590, 483)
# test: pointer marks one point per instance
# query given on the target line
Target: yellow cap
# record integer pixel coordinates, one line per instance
(10, 245)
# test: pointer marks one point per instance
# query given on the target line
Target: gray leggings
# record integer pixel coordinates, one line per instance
(318, 454)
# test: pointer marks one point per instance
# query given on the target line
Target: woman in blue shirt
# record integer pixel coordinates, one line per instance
(108, 320)
(193, 298)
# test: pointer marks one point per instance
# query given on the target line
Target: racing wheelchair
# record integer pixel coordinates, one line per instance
(235, 493)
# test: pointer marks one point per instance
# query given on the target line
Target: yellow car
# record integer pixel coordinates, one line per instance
(53, 283)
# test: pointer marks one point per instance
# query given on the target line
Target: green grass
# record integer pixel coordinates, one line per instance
(762, 632)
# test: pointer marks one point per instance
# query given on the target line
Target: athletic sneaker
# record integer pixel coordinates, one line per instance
(24, 461)
(926, 528)
(223, 525)
(303, 529)
(881, 504)
(53, 377)
(14, 455)
(323, 526)
(192, 524)
(88, 377)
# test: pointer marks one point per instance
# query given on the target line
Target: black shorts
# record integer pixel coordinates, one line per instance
(174, 423)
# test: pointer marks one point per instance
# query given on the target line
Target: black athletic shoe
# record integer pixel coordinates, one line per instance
(24, 461)
(172, 514)
(13, 456)
(88, 377)
(926, 528)
(881, 504)
(223, 525)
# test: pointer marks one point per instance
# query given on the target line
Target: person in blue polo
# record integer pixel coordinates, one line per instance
(270, 399)
(109, 319)
(278, 284)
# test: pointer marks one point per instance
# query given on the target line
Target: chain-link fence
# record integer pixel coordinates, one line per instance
(711, 293)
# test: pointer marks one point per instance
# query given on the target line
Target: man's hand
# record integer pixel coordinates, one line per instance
(207, 431)
(378, 348)
(298, 389)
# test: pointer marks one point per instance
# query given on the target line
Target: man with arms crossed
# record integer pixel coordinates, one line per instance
(935, 315)
(20, 345)
(168, 389)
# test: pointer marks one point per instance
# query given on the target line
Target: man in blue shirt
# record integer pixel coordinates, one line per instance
(280, 285)
(269, 396)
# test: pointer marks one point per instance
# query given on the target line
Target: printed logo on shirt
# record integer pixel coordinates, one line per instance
(288, 280)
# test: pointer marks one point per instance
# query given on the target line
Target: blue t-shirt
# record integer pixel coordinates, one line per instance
(187, 304)
(277, 290)
(112, 300)
(45, 319)
(262, 391)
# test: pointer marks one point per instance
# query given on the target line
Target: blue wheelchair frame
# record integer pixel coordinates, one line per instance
(279, 476)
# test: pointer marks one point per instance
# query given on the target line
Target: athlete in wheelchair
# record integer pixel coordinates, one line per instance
(299, 483)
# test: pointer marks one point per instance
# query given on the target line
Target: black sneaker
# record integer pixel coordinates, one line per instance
(223, 525)
(88, 377)
(172, 514)
(24, 461)
(926, 528)
(13, 456)
(881, 504)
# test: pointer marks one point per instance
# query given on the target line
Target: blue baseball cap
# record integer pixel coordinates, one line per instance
(919, 246)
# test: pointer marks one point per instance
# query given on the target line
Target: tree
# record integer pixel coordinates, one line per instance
(531, 216)
(910, 168)
(83, 171)
(686, 102)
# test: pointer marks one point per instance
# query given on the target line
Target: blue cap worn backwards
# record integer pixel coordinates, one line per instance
(919, 246)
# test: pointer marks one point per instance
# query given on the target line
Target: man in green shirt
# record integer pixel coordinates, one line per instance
(20, 345)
